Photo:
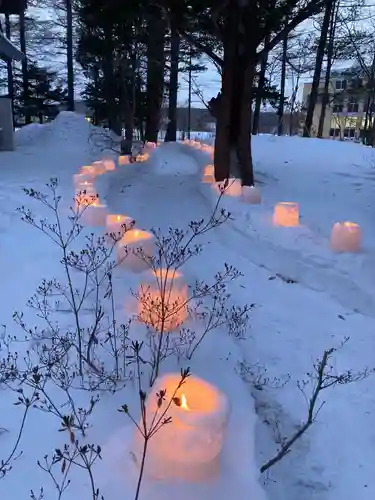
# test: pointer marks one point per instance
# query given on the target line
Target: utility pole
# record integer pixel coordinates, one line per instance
(189, 101)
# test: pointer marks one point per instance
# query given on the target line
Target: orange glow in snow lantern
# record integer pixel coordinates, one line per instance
(233, 189)
(135, 249)
(286, 214)
(109, 165)
(117, 224)
(346, 237)
(95, 214)
(208, 174)
(163, 300)
(188, 447)
(124, 160)
(142, 157)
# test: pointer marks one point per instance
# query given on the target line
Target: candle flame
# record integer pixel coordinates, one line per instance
(118, 217)
(184, 404)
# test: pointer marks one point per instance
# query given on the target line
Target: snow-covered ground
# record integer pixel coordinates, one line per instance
(306, 300)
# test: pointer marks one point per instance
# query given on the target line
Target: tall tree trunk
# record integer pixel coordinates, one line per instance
(171, 134)
(280, 111)
(69, 54)
(331, 44)
(260, 89)
(25, 76)
(113, 112)
(128, 97)
(318, 69)
(234, 104)
(9, 66)
(293, 106)
(155, 72)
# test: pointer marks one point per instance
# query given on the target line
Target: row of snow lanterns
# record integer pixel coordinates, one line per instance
(345, 236)
(199, 411)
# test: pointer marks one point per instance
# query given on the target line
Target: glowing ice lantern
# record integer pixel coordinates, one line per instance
(82, 179)
(88, 170)
(346, 237)
(82, 183)
(134, 249)
(142, 157)
(251, 195)
(85, 195)
(163, 301)
(109, 165)
(150, 145)
(286, 214)
(234, 188)
(117, 224)
(99, 167)
(208, 174)
(188, 447)
(95, 214)
(124, 160)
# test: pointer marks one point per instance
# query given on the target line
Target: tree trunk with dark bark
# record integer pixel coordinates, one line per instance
(9, 66)
(25, 77)
(155, 72)
(261, 83)
(171, 134)
(69, 54)
(113, 114)
(233, 106)
(331, 45)
(280, 110)
(313, 98)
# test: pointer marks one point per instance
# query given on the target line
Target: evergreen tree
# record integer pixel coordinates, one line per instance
(45, 94)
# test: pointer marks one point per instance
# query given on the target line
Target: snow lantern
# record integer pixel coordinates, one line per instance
(117, 224)
(346, 237)
(109, 165)
(286, 213)
(150, 145)
(142, 157)
(88, 170)
(233, 189)
(81, 183)
(99, 167)
(189, 446)
(208, 174)
(135, 249)
(95, 214)
(85, 194)
(80, 179)
(124, 160)
(162, 303)
(251, 195)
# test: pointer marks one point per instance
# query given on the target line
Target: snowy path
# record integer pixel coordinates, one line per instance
(278, 343)
(346, 279)
(291, 324)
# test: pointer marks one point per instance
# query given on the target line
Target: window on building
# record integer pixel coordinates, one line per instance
(341, 84)
(353, 105)
(338, 107)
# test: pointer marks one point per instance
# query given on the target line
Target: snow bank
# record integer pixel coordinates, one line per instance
(28, 134)
(331, 181)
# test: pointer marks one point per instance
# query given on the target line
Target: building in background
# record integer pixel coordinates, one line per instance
(345, 114)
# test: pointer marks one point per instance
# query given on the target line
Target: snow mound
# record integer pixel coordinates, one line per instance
(69, 126)
(28, 134)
